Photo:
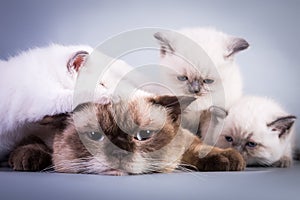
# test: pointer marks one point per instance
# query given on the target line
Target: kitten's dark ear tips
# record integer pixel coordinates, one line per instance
(77, 60)
(165, 45)
(236, 45)
(282, 125)
(58, 121)
(175, 104)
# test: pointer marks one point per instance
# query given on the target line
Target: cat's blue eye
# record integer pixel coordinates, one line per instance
(182, 78)
(208, 81)
(228, 139)
(95, 135)
(142, 135)
(251, 144)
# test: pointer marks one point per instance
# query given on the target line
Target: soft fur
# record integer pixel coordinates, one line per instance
(216, 62)
(264, 123)
(41, 82)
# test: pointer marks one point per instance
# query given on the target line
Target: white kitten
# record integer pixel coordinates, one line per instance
(215, 77)
(261, 130)
(41, 82)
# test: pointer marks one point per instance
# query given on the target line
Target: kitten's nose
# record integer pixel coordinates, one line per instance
(194, 87)
(119, 153)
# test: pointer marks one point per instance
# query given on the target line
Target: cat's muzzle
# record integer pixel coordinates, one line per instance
(194, 87)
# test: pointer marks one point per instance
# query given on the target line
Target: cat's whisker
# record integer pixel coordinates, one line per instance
(188, 165)
(48, 169)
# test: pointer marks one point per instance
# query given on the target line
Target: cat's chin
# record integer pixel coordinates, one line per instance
(114, 172)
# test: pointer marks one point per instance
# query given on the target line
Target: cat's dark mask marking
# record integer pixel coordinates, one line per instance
(165, 45)
(77, 60)
(237, 45)
(282, 125)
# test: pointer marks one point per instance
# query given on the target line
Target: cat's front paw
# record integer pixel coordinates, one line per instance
(222, 160)
(29, 158)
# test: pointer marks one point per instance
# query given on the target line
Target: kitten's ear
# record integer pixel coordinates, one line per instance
(174, 104)
(282, 125)
(58, 121)
(236, 45)
(77, 60)
(165, 45)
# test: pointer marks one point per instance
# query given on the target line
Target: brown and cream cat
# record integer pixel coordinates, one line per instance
(261, 130)
(136, 136)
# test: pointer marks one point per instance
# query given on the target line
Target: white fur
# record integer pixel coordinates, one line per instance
(250, 115)
(37, 83)
(227, 87)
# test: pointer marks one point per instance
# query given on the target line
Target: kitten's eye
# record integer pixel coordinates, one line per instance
(182, 78)
(228, 139)
(251, 144)
(144, 134)
(208, 81)
(96, 136)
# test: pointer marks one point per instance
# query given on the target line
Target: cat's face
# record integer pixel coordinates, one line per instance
(197, 71)
(204, 71)
(189, 80)
(135, 137)
(259, 130)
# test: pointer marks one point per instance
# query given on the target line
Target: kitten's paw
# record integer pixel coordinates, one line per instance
(284, 162)
(29, 158)
(224, 160)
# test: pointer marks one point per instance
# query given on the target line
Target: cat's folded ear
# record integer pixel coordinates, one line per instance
(77, 60)
(282, 125)
(174, 104)
(165, 45)
(58, 121)
(236, 45)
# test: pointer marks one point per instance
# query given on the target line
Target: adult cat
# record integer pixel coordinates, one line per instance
(133, 136)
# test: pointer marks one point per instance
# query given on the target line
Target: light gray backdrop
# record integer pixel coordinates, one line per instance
(270, 67)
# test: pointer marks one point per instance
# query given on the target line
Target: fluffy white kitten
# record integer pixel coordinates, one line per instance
(41, 82)
(211, 75)
(261, 130)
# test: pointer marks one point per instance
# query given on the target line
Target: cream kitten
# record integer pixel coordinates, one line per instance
(41, 82)
(212, 74)
(260, 130)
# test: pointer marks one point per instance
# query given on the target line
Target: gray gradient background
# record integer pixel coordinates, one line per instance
(270, 67)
